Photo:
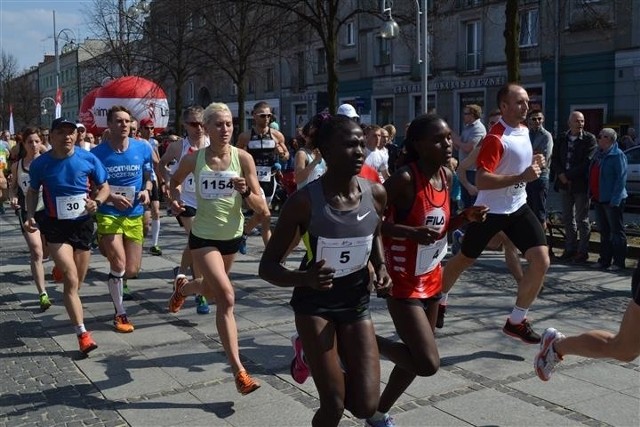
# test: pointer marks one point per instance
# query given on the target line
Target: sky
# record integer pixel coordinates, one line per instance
(26, 27)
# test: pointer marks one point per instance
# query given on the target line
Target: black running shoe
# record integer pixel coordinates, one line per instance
(523, 331)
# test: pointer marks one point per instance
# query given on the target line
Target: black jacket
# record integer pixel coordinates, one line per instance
(583, 150)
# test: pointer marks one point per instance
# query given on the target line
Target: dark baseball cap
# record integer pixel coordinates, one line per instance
(60, 122)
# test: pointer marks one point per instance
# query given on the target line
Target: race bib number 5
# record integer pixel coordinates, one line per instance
(216, 184)
(70, 207)
(344, 255)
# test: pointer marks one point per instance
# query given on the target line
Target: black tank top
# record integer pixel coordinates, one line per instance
(262, 148)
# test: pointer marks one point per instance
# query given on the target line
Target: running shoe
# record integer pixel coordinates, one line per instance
(547, 359)
(121, 324)
(245, 384)
(243, 245)
(155, 250)
(86, 343)
(126, 292)
(45, 303)
(457, 241)
(299, 368)
(202, 307)
(387, 421)
(523, 331)
(442, 310)
(177, 299)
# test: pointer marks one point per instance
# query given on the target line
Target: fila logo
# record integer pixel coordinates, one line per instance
(361, 217)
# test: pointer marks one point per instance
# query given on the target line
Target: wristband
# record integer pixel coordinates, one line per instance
(246, 193)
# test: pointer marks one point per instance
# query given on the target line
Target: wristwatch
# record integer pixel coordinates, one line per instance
(246, 193)
(98, 203)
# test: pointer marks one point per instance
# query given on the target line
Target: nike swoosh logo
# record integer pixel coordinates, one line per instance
(361, 217)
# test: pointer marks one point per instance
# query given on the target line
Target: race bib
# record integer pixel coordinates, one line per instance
(189, 183)
(24, 184)
(429, 256)
(516, 189)
(216, 184)
(71, 207)
(344, 255)
(128, 192)
(264, 173)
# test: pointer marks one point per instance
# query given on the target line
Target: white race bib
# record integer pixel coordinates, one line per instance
(264, 173)
(189, 183)
(516, 189)
(344, 255)
(24, 184)
(429, 256)
(128, 192)
(71, 207)
(216, 184)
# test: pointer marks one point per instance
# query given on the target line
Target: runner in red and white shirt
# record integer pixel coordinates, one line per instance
(505, 164)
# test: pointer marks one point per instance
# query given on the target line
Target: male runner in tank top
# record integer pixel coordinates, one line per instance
(505, 164)
(267, 147)
(196, 138)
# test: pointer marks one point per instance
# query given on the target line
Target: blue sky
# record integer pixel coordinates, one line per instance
(26, 27)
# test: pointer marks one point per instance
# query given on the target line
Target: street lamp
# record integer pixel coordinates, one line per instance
(137, 9)
(43, 106)
(69, 44)
(391, 30)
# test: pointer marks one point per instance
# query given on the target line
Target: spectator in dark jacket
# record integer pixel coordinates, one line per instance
(607, 179)
(570, 161)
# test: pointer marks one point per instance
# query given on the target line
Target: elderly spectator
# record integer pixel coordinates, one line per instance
(374, 156)
(607, 177)
(472, 133)
(570, 161)
(542, 143)
(629, 140)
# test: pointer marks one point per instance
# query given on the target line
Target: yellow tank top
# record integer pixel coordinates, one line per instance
(219, 215)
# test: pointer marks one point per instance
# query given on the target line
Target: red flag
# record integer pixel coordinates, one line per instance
(58, 103)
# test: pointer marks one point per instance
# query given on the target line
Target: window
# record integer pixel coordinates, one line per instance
(472, 50)
(269, 79)
(383, 54)
(350, 34)
(234, 89)
(529, 28)
(191, 90)
(302, 81)
(321, 62)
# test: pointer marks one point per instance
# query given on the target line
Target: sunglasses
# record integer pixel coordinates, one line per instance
(149, 127)
(264, 116)
(195, 124)
(535, 119)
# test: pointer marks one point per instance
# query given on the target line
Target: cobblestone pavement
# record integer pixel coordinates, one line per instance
(172, 370)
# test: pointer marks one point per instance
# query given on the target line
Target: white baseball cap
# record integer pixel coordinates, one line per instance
(348, 110)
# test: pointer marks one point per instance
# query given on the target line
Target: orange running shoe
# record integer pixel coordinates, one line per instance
(57, 275)
(121, 324)
(177, 299)
(87, 344)
(245, 384)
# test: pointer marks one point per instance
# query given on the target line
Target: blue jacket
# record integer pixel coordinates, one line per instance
(613, 175)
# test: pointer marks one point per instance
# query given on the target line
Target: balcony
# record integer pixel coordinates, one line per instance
(470, 62)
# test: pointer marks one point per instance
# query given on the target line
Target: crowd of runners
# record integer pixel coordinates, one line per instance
(365, 229)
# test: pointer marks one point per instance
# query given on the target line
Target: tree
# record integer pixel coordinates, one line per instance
(325, 18)
(511, 38)
(8, 71)
(232, 37)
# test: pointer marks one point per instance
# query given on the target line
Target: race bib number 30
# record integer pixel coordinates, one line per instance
(71, 207)
(216, 184)
(344, 255)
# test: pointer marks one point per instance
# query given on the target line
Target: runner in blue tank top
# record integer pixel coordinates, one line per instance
(120, 223)
(67, 176)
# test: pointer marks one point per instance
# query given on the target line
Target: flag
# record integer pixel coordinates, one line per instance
(12, 129)
(58, 103)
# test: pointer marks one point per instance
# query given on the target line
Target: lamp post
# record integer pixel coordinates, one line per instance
(43, 107)
(139, 8)
(390, 30)
(56, 41)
